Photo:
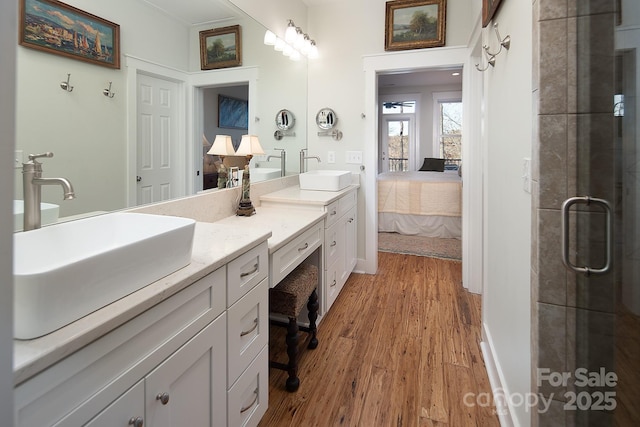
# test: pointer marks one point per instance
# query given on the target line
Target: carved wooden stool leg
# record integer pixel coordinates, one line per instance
(293, 382)
(312, 307)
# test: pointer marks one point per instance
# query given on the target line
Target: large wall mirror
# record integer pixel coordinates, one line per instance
(91, 134)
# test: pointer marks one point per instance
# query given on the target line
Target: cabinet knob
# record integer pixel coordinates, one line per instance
(163, 398)
(136, 422)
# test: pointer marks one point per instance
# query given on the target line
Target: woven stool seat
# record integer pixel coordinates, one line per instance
(290, 295)
(288, 298)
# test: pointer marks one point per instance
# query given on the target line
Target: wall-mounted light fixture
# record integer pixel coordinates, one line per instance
(295, 43)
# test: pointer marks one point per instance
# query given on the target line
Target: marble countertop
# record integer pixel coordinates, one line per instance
(297, 196)
(285, 223)
(214, 245)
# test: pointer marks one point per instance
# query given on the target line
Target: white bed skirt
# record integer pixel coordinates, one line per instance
(446, 227)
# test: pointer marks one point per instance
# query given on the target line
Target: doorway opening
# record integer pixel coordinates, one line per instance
(420, 119)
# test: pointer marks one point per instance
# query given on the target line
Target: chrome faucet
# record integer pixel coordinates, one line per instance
(32, 182)
(283, 160)
(303, 158)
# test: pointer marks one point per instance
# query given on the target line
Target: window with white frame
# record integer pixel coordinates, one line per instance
(448, 127)
(398, 142)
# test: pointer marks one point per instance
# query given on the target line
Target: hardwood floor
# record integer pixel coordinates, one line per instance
(399, 348)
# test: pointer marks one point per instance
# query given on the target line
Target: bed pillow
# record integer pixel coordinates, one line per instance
(432, 164)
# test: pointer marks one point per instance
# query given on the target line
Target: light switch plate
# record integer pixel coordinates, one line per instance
(354, 157)
(526, 175)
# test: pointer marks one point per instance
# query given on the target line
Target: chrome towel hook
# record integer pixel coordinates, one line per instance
(108, 93)
(66, 85)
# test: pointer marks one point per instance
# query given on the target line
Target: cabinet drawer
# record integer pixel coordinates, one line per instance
(248, 399)
(347, 202)
(248, 329)
(246, 271)
(333, 244)
(332, 213)
(331, 287)
(285, 259)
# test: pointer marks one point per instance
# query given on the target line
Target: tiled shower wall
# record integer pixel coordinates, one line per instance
(572, 94)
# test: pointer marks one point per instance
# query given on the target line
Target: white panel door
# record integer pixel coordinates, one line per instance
(159, 172)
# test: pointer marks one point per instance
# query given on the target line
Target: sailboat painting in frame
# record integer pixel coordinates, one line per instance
(55, 27)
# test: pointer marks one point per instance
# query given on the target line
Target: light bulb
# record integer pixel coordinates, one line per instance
(269, 38)
(290, 33)
(279, 46)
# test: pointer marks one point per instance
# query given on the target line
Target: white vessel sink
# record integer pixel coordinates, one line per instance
(49, 214)
(263, 174)
(260, 174)
(64, 272)
(325, 180)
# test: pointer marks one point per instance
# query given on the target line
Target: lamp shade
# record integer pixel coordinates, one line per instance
(222, 146)
(249, 146)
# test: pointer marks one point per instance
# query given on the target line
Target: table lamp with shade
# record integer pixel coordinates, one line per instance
(222, 146)
(249, 146)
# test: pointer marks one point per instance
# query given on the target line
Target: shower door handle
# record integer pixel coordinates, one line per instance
(586, 200)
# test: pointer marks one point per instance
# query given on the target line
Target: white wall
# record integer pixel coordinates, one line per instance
(281, 85)
(84, 128)
(337, 79)
(8, 43)
(508, 126)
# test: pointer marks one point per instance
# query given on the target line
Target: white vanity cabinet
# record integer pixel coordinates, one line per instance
(340, 246)
(186, 361)
(339, 253)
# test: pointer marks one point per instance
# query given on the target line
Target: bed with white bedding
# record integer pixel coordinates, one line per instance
(420, 203)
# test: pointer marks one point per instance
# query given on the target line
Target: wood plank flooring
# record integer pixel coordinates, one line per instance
(399, 348)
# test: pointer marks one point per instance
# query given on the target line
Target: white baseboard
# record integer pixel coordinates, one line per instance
(498, 388)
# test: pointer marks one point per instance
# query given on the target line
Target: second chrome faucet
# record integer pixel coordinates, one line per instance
(283, 160)
(303, 158)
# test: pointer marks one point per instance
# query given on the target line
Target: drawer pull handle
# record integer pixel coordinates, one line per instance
(255, 268)
(333, 212)
(136, 422)
(306, 245)
(253, 402)
(333, 243)
(350, 220)
(163, 398)
(334, 283)
(253, 328)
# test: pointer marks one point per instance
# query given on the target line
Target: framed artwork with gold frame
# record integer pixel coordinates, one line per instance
(221, 47)
(55, 27)
(415, 24)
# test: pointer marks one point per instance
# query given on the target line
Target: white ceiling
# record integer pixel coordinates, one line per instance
(194, 12)
(432, 77)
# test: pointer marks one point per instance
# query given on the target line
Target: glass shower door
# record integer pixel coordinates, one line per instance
(604, 252)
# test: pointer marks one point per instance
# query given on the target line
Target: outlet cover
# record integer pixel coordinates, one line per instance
(354, 157)
(18, 159)
(331, 157)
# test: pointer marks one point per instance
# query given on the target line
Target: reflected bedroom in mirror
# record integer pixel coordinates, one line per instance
(140, 133)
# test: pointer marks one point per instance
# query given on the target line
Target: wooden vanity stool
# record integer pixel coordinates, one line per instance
(288, 298)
